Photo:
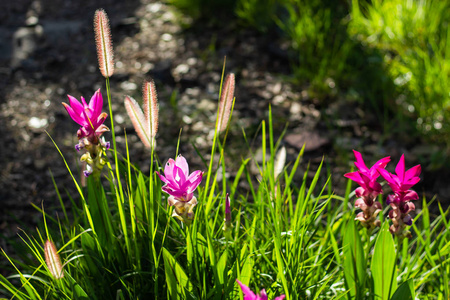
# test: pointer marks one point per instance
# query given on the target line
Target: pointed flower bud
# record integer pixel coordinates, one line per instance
(103, 41)
(145, 122)
(53, 260)
(226, 101)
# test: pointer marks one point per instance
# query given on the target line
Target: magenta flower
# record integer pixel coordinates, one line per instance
(366, 177)
(368, 191)
(89, 116)
(249, 295)
(179, 183)
(402, 181)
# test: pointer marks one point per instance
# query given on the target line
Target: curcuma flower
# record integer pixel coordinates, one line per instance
(250, 295)
(90, 117)
(53, 260)
(400, 183)
(180, 185)
(369, 189)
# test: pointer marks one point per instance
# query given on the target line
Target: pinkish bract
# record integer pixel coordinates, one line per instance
(89, 116)
(250, 295)
(368, 191)
(180, 185)
(400, 183)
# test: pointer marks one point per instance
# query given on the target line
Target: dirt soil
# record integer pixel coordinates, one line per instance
(47, 51)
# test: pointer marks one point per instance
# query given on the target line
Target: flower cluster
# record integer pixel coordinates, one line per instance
(400, 183)
(250, 295)
(90, 117)
(180, 185)
(369, 189)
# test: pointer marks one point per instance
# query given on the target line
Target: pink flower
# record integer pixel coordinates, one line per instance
(249, 295)
(90, 117)
(402, 181)
(368, 191)
(366, 177)
(179, 183)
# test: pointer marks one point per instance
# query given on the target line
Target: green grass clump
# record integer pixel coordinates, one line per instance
(414, 37)
(289, 234)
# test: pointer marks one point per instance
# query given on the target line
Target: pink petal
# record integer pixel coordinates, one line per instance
(280, 297)
(248, 294)
(382, 162)
(163, 179)
(387, 176)
(168, 170)
(84, 103)
(360, 162)
(263, 295)
(76, 117)
(179, 176)
(193, 180)
(75, 104)
(176, 193)
(101, 118)
(89, 123)
(413, 172)
(410, 195)
(183, 165)
(409, 184)
(355, 176)
(96, 104)
(400, 168)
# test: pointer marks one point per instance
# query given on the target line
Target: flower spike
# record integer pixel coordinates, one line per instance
(53, 260)
(225, 103)
(103, 41)
(145, 122)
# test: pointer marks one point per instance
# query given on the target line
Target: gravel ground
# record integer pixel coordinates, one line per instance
(47, 51)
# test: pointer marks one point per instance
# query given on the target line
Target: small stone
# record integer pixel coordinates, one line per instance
(187, 119)
(181, 69)
(129, 86)
(166, 37)
(119, 119)
(37, 123)
(311, 140)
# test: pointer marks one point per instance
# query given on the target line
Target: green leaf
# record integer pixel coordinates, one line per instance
(78, 292)
(221, 265)
(354, 261)
(177, 280)
(383, 264)
(405, 291)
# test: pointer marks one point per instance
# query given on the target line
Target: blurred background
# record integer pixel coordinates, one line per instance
(338, 75)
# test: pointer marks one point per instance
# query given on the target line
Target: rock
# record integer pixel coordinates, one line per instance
(312, 140)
